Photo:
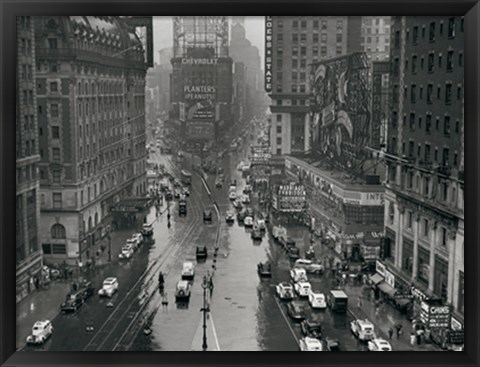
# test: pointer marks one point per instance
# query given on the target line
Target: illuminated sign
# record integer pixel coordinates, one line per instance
(380, 268)
(268, 53)
(291, 198)
(260, 155)
(199, 92)
(199, 61)
(200, 130)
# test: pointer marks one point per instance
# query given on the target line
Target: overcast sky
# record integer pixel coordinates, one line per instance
(163, 33)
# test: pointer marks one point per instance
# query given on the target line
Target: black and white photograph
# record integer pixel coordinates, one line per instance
(240, 183)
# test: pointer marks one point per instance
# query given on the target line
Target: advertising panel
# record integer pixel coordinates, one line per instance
(290, 198)
(200, 130)
(268, 53)
(435, 315)
(340, 120)
(260, 155)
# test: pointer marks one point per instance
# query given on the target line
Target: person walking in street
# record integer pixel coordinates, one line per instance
(398, 328)
(419, 336)
(390, 333)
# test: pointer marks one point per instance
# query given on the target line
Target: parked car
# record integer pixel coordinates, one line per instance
(76, 298)
(362, 329)
(41, 331)
(229, 217)
(247, 189)
(311, 328)
(232, 195)
(310, 266)
(295, 310)
(245, 199)
(237, 204)
(147, 229)
(250, 213)
(138, 238)
(177, 194)
(264, 216)
(241, 216)
(309, 344)
(183, 291)
(298, 275)
(201, 252)
(127, 252)
(293, 252)
(248, 221)
(284, 291)
(207, 215)
(257, 235)
(261, 224)
(109, 287)
(188, 270)
(264, 269)
(317, 300)
(186, 191)
(379, 345)
(303, 289)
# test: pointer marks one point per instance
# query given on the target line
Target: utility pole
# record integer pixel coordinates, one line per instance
(205, 309)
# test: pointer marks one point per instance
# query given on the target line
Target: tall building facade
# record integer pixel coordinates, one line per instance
(424, 199)
(375, 39)
(201, 84)
(91, 117)
(291, 45)
(28, 251)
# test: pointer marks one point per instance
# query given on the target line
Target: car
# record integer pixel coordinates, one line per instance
(176, 182)
(232, 195)
(218, 183)
(317, 300)
(309, 266)
(237, 204)
(201, 252)
(264, 269)
(75, 299)
(188, 270)
(127, 252)
(109, 287)
(295, 310)
(247, 189)
(264, 216)
(248, 221)
(284, 291)
(250, 213)
(176, 194)
(182, 291)
(229, 217)
(245, 199)
(298, 275)
(293, 252)
(363, 329)
(311, 328)
(147, 229)
(41, 331)
(241, 216)
(257, 234)
(303, 289)
(207, 215)
(133, 243)
(186, 191)
(260, 223)
(168, 195)
(379, 345)
(138, 238)
(331, 345)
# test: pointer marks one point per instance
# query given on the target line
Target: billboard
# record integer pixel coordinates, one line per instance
(340, 109)
(260, 155)
(290, 198)
(268, 53)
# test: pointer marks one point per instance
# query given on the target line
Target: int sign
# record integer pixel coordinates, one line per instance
(268, 53)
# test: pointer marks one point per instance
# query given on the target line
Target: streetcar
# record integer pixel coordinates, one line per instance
(186, 177)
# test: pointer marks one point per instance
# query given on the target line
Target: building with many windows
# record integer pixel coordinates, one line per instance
(376, 37)
(292, 44)
(28, 252)
(91, 121)
(424, 199)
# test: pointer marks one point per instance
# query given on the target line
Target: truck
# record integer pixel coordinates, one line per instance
(337, 301)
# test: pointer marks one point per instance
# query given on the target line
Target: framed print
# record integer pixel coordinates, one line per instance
(217, 176)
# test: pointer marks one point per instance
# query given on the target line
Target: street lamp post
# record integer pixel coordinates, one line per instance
(205, 309)
(109, 247)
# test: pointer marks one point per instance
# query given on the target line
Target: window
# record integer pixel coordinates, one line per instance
(303, 24)
(316, 24)
(431, 36)
(439, 60)
(56, 154)
(58, 231)
(303, 88)
(437, 123)
(451, 27)
(460, 59)
(59, 249)
(279, 118)
(53, 87)
(279, 141)
(431, 61)
(52, 43)
(339, 25)
(295, 24)
(339, 37)
(407, 255)
(443, 236)
(279, 129)
(413, 95)
(423, 270)
(439, 92)
(57, 200)
(459, 92)
(426, 188)
(55, 132)
(56, 175)
(303, 37)
(279, 151)
(448, 94)
(445, 158)
(315, 37)
(425, 228)
(427, 153)
(324, 37)
(446, 125)
(436, 155)
(54, 110)
(295, 37)
(415, 35)
(47, 249)
(457, 126)
(414, 64)
(397, 39)
(449, 60)
(408, 219)
(412, 121)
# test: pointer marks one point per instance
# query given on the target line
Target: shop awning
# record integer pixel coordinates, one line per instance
(376, 278)
(402, 301)
(387, 289)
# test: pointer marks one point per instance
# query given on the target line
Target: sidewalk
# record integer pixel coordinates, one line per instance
(45, 303)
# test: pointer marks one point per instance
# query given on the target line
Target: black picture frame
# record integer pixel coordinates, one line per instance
(9, 9)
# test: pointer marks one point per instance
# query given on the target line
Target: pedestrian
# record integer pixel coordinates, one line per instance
(377, 310)
(398, 328)
(164, 301)
(390, 333)
(412, 339)
(419, 336)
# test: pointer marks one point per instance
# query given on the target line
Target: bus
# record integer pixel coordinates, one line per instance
(186, 177)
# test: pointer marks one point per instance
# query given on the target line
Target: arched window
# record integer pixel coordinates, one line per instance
(58, 231)
(96, 219)
(89, 224)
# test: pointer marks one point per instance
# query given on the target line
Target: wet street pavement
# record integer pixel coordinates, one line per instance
(245, 314)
